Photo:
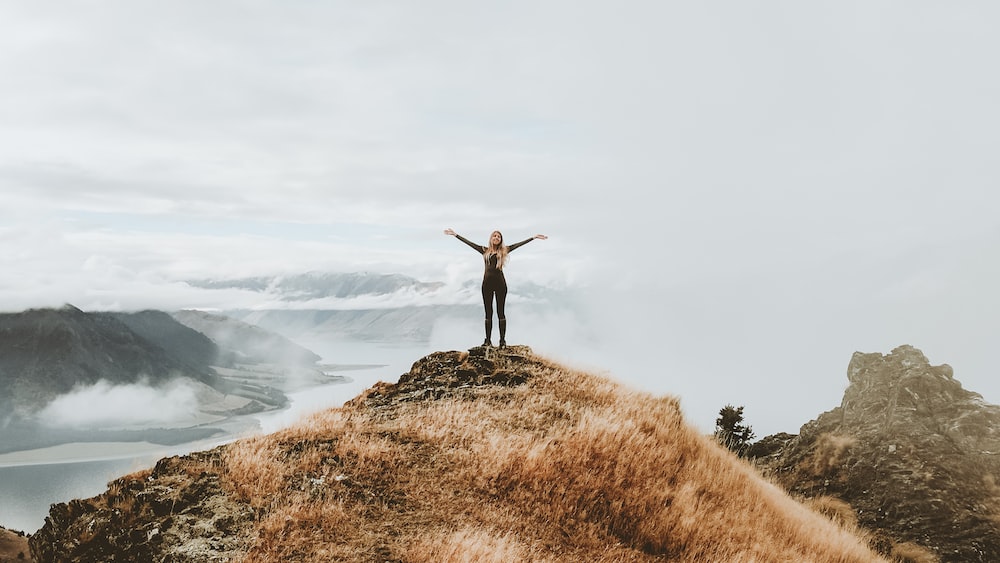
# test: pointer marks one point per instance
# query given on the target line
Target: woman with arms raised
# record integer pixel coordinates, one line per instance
(494, 284)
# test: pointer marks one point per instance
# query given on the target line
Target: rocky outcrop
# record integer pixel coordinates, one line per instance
(915, 454)
(167, 514)
(443, 374)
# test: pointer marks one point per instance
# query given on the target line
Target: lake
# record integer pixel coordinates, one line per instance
(30, 481)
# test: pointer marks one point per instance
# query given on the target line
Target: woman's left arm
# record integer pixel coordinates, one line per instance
(524, 242)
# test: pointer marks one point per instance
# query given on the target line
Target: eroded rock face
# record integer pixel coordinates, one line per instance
(915, 454)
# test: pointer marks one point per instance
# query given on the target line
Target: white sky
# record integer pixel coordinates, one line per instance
(748, 192)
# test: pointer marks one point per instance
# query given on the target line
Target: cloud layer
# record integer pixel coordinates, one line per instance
(754, 192)
(136, 405)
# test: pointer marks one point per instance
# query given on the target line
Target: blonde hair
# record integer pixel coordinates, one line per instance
(501, 251)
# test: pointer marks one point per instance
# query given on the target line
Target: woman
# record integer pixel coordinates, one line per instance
(494, 284)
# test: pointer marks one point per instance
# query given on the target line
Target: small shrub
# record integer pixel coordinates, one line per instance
(731, 432)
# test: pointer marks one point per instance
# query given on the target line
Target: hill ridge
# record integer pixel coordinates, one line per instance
(486, 455)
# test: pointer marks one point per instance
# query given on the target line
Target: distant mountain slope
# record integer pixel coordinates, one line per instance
(406, 324)
(47, 352)
(243, 342)
(316, 285)
(480, 456)
(915, 455)
(175, 337)
(373, 307)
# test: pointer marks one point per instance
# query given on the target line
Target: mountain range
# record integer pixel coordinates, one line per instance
(365, 306)
(317, 285)
(294, 289)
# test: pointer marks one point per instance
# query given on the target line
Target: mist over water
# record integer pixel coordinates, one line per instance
(105, 405)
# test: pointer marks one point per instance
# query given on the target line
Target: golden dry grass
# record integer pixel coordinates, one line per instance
(567, 467)
(909, 552)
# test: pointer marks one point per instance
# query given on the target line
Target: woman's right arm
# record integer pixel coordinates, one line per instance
(474, 246)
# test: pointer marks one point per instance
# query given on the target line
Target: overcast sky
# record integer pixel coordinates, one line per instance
(747, 193)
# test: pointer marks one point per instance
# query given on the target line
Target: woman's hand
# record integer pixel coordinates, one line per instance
(449, 232)
(541, 237)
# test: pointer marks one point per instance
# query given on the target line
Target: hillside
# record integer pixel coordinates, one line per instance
(14, 547)
(483, 455)
(47, 352)
(240, 342)
(175, 338)
(915, 455)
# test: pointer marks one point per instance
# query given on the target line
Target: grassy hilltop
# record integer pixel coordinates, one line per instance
(472, 456)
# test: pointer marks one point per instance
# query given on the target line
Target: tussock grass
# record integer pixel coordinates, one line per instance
(257, 474)
(829, 452)
(567, 467)
(909, 552)
(834, 509)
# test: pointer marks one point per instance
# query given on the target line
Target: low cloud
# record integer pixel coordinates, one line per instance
(104, 405)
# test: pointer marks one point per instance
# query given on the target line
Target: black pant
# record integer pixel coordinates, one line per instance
(495, 286)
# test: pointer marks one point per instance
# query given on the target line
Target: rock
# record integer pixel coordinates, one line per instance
(171, 515)
(441, 374)
(915, 454)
